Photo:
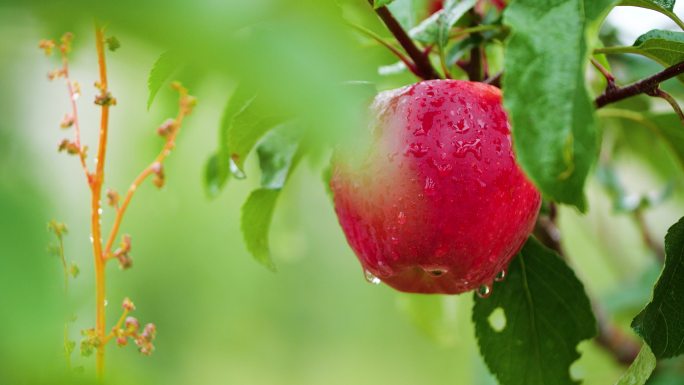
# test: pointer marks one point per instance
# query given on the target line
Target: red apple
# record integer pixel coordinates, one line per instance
(437, 202)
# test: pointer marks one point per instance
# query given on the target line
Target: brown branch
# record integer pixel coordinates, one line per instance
(618, 343)
(422, 62)
(655, 246)
(610, 79)
(644, 86)
(659, 93)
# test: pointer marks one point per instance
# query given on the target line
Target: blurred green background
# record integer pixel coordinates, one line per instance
(222, 318)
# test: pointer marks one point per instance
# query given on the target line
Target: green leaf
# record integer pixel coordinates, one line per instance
(640, 370)
(546, 313)
(381, 3)
(661, 322)
(655, 5)
(162, 69)
(666, 7)
(435, 29)
(248, 125)
(669, 128)
(216, 173)
(664, 47)
(551, 111)
(405, 11)
(257, 213)
(279, 154)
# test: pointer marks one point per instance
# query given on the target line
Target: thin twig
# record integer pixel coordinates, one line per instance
(407, 62)
(73, 96)
(96, 193)
(422, 62)
(655, 246)
(659, 93)
(610, 79)
(154, 167)
(644, 86)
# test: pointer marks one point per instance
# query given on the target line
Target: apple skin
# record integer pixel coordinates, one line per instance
(437, 202)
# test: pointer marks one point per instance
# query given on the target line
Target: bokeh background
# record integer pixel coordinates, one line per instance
(223, 318)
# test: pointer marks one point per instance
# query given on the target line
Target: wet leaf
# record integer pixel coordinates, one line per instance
(552, 115)
(661, 322)
(546, 314)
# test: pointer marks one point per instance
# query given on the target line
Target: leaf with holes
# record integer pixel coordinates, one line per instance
(544, 312)
(279, 153)
(551, 112)
(661, 323)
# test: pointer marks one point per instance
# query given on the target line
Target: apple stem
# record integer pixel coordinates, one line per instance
(423, 66)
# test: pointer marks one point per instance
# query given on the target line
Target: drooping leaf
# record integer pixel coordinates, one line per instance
(666, 7)
(168, 63)
(257, 213)
(640, 370)
(661, 322)
(216, 173)
(546, 314)
(248, 125)
(276, 155)
(279, 154)
(551, 112)
(219, 166)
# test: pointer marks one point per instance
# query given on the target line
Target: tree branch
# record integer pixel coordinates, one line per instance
(422, 63)
(644, 86)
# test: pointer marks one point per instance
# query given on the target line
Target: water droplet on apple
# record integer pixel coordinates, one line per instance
(461, 127)
(464, 147)
(417, 150)
(500, 276)
(371, 278)
(484, 291)
(430, 186)
(401, 218)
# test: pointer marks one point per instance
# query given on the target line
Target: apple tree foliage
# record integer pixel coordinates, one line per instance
(540, 51)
